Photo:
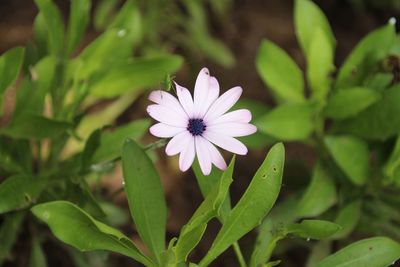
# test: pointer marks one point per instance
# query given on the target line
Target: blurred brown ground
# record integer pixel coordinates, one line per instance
(249, 22)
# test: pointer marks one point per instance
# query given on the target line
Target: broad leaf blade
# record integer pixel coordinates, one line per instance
(288, 122)
(348, 103)
(319, 196)
(20, 191)
(313, 229)
(254, 205)
(352, 156)
(280, 72)
(78, 22)
(371, 252)
(145, 196)
(10, 64)
(210, 208)
(75, 227)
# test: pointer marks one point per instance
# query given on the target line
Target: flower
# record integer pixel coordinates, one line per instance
(197, 124)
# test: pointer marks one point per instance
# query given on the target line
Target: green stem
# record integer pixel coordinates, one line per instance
(239, 254)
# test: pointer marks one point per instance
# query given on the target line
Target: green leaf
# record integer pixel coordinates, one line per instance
(35, 126)
(313, 229)
(54, 25)
(90, 149)
(392, 166)
(320, 64)
(210, 208)
(9, 231)
(319, 196)
(78, 21)
(104, 11)
(145, 197)
(37, 257)
(288, 122)
(371, 252)
(10, 65)
(365, 57)
(111, 142)
(352, 156)
(308, 17)
(350, 102)
(134, 74)
(280, 72)
(348, 218)
(20, 191)
(253, 206)
(378, 121)
(75, 227)
(31, 94)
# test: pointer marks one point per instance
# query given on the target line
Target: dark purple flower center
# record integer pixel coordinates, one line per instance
(196, 127)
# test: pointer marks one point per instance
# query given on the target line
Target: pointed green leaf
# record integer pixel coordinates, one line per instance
(378, 121)
(320, 64)
(313, 229)
(308, 17)
(54, 25)
(348, 103)
(75, 227)
(111, 142)
(210, 208)
(278, 70)
(319, 196)
(10, 65)
(78, 21)
(145, 196)
(35, 126)
(348, 218)
(288, 122)
(134, 74)
(371, 252)
(365, 57)
(352, 156)
(20, 191)
(253, 206)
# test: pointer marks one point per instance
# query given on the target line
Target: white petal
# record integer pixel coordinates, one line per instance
(201, 89)
(213, 93)
(167, 115)
(223, 103)
(185, 98)
(203, 155)
(165, 131)
(234, 129)
(240, 115)
(187, 156)
(178, 143)
(226, 142)
(215, 156)
(166, 99)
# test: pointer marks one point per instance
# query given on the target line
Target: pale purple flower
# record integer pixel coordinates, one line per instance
(197, 124)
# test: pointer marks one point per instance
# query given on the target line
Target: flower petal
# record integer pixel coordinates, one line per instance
(201, 89)
(187, 156)
(185, 98)
(240, 115)
(223, 103)
(178, 143)
(167, 115)
(226, 142)
(234, 129)
(203, 155)
(213, 93)
(165, 131)
(215, 156)
(166, 99)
